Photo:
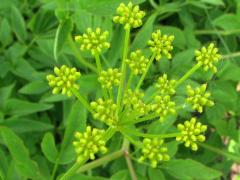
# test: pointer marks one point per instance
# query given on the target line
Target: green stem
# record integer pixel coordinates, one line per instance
(145, 118)
(145, 73)
(81, 99)
(188, 74)
(129, 80)
(79, 56)
(221, 152)
(129, 138)
(123, 69)
(56, 164)
(109, 133)
(223, 33)
(125, 148)
(72, 170)
(232, 55)
(98, 63)
(99, 162)
(172, 135)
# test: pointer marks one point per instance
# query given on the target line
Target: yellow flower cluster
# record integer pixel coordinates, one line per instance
(198, 97)
(134, 99)
(163, 106)
(89, 143)
(105, 111)
(64, 80)
(137, 62)
(166, 86)
(154, 150)
(161, 45)
(94, 41)
(109, 78)
(191, 133)
(208, 57)
(129, 15)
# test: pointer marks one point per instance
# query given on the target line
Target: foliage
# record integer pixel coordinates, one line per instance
(37, 128)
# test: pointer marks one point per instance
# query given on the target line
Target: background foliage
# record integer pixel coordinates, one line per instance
(35, 125)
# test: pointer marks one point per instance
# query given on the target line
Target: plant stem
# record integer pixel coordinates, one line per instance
(171, 135)
(99, 69)
(221, 152)
(145, 118)
(232, 55)
(81, 99)
(56, 164)
(72, 170)
(223, 33)
(101, 161)
(125, 148)
(129, 80)
(109, 133)
(98, 63)
(123, 69)
(79, 56)
(188, 74)
(145, 73)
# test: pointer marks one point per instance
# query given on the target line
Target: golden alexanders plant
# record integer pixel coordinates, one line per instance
(128, 106)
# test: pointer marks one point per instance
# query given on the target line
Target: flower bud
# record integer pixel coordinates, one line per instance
(64, 80)
(191, 133)
(128, 15)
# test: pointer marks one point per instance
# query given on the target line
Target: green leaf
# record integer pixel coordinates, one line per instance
(227, 22)
(103, 7)
(144, 34)
(23, 125)
(3, 165)
(155, 174)
(121, 175)
(18, 24)
(35, 87)
(20, 154)
(85, 177)
(76, 121)
(5, 32)
(49, 148)
(179, 38)
(5, 93)
(214, 2)
(63, 31)
(189, 170)
(20, 107)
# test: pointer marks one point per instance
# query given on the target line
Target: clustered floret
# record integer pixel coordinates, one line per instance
(105, 111)
(165, 86)
(89, 143)
(109, 78)
(64, 80)
(128, 15)
(92, 141)
(134, 99)
(154, 150)
(198, 97)
(137, 62)
(191, 133)
(161, 45)
(163, 106)
(208, 57)
(94, 41)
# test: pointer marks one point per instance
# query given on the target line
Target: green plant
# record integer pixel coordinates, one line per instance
(44, 135)
(124, 107)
